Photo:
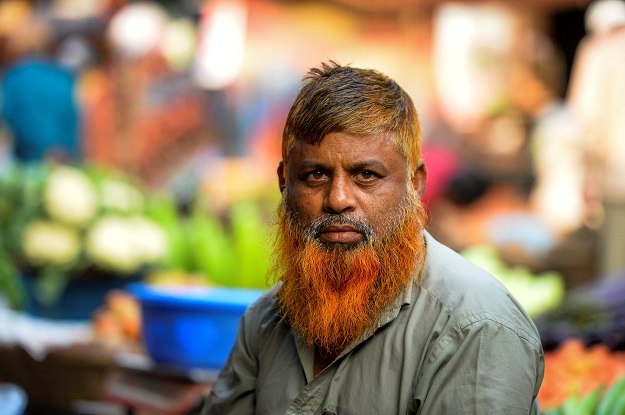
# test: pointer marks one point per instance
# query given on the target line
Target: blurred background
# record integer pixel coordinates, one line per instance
(139, 142)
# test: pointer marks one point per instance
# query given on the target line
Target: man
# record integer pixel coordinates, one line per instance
(595, 95)
(371, 315)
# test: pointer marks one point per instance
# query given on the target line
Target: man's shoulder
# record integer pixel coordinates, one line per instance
(449, 274)
(263, 325)
(469, 294)
(266, 303)
(265, 311)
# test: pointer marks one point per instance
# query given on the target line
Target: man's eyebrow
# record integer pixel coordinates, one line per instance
(310, 165)
(369, 165)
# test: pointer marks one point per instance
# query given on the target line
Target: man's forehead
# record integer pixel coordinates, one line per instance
(346, 142)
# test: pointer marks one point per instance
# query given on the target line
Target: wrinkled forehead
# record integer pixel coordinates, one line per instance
(358, 142)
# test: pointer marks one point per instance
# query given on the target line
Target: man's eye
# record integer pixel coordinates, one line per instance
(367, 175)
(314, 176)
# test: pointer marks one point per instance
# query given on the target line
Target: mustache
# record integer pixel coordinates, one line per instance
(317, 226)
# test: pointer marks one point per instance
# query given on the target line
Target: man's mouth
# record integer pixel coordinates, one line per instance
(341, 234)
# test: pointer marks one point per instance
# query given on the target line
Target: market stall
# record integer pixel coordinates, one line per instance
(176, 191)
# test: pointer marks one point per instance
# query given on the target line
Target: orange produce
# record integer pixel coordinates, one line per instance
(577, 369)
(118, 322)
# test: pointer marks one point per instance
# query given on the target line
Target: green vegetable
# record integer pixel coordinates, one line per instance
(250, 238)
(10, 286)
(50, 285)
(587, 404)
(210, 248)
(163, 210)
(614, 400)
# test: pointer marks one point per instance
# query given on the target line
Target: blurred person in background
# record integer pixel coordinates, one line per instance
(557, 147)
(596, 95)
(38, 95)
(370, 314)
(562, 197)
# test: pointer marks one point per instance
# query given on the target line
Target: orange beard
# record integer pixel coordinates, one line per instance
(332, 295)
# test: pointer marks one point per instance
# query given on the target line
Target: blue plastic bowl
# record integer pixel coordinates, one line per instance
(191, 327)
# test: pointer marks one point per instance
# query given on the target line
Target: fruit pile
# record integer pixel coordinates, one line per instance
(583, 380)
(117, 323)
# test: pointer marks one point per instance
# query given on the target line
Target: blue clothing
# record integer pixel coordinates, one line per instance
(40, 110)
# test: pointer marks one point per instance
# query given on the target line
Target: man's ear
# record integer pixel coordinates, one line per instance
(281, 176)
(419, 178)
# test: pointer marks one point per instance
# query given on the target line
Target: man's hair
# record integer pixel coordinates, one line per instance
(337, 98)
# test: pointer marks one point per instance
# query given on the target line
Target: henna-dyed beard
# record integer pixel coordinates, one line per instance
(332, 294)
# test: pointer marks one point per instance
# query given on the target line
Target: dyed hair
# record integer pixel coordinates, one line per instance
(336, 98)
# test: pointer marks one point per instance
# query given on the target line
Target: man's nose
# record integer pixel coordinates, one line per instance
(339, 196)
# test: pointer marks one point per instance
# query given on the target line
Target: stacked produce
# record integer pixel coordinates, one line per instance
(229, 249)
(583, 380)
(60, 222)
(117, 323)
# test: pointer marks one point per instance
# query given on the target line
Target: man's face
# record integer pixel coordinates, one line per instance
(362, 178)
(349, 236)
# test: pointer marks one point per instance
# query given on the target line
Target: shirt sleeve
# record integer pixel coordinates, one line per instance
(485, 366)
(234, 390)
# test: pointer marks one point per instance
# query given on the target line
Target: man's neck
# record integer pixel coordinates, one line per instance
(323, 360)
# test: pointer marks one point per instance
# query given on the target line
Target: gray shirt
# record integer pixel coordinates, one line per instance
(455, 342)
